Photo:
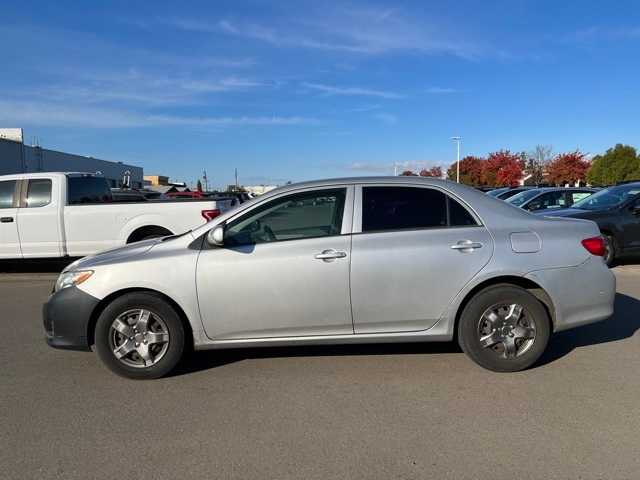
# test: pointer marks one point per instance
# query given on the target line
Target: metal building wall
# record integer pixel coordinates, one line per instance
(15, 159)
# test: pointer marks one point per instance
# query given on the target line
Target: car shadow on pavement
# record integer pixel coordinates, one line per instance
(204, 360)
(623, 324)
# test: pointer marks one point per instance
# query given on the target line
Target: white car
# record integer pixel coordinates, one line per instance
(75, 214)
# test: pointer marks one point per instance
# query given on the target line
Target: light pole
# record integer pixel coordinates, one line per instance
(457, 140)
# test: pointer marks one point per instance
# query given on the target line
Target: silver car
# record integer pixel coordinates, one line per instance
(359, 260)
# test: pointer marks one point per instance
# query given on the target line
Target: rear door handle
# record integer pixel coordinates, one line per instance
(330, 255)
(6, 219)
(466, 246)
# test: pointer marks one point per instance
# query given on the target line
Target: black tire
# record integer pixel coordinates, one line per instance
(474, 324)
(168, 357)
(610, 250)
(150, 236)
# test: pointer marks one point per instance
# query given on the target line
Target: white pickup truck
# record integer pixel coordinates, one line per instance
(75, 214)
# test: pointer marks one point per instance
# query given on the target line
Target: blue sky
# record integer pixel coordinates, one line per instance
(301, 90)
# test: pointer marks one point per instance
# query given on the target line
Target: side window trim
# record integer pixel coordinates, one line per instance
(357, 210)
(347, 214)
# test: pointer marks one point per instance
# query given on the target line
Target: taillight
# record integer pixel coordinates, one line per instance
(595, 246)
(210, 214)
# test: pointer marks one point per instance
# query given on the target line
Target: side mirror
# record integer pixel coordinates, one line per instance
(215, 237)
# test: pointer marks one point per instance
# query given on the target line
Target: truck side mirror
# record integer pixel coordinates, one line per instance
(215, 237)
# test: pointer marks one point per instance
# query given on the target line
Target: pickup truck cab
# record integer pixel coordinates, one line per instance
(56, 214)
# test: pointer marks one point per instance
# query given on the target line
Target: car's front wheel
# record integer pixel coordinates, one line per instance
(504, 328)
(139, 335)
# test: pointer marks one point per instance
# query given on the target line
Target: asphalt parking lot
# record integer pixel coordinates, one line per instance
(400, 411)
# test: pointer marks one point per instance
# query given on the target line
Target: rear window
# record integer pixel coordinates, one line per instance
(38, 193)
(7, 190)
(85, 190)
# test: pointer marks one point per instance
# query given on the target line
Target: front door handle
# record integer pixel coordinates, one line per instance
(6, 219)
(330, 255)
(466, 246)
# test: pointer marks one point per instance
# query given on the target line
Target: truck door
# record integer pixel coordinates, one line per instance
(9, 239)
(39, 218)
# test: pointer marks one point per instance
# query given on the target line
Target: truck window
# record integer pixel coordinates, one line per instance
(84, 190)
(7, 190)
(38, 192)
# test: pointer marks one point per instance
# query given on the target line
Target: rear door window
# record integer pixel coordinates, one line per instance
(402, 208)
(38, 192)
(7, 192)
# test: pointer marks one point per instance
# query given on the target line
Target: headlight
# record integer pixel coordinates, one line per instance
(70, 279)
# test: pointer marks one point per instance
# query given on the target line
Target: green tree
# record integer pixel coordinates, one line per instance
(616, 165)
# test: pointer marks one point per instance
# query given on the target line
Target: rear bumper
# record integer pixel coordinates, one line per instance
(66, 318)
(581, 295)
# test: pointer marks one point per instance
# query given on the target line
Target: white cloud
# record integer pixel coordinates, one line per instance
(352, 91)
(60, 115)
(441, 91)
(354, 30)
(387, 118)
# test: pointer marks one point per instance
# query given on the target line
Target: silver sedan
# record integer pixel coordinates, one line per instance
(359, 260)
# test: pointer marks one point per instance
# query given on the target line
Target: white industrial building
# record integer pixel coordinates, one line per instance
(16, 157)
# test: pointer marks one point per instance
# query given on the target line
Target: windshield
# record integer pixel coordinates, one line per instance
(522, 197)
(608, 198)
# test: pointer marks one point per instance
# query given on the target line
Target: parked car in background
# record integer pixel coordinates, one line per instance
(127, 195)
(194, 194)
(75, 214)
(542, 200)
(391, 259)
(494, 192)
(507, 192)
(237, 197)
(616, 210)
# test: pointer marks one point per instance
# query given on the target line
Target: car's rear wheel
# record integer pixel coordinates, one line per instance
(609, 250)
(504, 328)
(139, 335)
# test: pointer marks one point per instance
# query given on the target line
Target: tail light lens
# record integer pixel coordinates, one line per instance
(210, 214)
(595, 246)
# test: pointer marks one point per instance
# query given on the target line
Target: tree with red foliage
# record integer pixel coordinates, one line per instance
(503, 168)
(409, 173)
(568, 168)
(470, 170)
(432, 172)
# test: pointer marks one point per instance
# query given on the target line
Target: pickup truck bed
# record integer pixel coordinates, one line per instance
(73, 214)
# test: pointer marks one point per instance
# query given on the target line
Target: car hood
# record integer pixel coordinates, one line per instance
(114, 255)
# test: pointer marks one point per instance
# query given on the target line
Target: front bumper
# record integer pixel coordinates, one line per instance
(581, 295)
(66, 318)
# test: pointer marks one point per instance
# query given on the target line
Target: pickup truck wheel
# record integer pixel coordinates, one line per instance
(504, 328)
(140, 336)
(153, 235)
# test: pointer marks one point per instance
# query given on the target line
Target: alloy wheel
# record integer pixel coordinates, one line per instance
(139, 338)
(506, 329)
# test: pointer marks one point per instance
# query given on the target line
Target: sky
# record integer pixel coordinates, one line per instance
(290, 91)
